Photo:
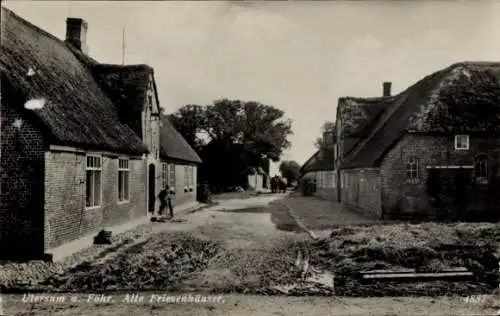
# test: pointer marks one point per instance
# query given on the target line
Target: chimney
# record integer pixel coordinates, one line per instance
(76, 33)
(387, 89)
(328, 138)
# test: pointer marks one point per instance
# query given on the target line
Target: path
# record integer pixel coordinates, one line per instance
(319, 216)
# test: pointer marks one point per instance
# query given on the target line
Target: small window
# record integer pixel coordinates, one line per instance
(123, 180)
(481, 169)
(150, 102)
(191, 176)
(412, 170)
(93, 181)
(186, 176)
(462, 142)
(171, 175)
(164, 173)
(346, 180)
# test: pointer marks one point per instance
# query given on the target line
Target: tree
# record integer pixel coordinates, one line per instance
(262, 129)
(189, 121)
(231, 136)
(290, 170)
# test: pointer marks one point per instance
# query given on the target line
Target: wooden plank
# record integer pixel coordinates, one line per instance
(417, 275)
(458, 269)
(389, 271)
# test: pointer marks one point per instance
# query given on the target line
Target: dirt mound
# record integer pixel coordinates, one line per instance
(160, 262)
(425, 247)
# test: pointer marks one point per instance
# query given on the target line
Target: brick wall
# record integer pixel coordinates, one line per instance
(22, 186)
(363, 190)
(66, 217)
(399, 195)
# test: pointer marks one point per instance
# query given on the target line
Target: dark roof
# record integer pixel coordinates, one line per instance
(173, 145)
(358, 114)
(321, 160)
(127, 86)
(464, 97)
(77, 112)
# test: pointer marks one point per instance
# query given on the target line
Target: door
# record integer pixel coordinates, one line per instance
(462, 187)
(152, 189)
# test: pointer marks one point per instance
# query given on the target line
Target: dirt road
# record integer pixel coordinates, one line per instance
(252, 234)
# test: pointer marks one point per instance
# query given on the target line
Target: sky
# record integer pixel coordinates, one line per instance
(296, 56)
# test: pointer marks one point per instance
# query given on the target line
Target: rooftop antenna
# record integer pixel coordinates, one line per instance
(123, 46)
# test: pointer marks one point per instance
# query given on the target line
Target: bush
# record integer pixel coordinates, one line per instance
(204, 193)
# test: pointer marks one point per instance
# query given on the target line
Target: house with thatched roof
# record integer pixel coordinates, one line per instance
(83, 144)
(320, 168)
(431, 151)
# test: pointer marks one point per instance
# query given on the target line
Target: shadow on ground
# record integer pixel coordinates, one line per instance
(279, 216)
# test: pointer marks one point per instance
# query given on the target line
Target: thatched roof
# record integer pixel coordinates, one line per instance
(320, 161)
(462, 98)
(357, 115)
(173, 146)
(77, 111)
(127, 87)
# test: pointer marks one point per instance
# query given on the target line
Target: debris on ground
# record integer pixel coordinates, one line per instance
(427, 247)
(161, 262)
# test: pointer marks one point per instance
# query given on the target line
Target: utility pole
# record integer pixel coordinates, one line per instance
(123, 46)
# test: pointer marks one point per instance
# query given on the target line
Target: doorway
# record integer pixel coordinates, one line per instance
(152, 189)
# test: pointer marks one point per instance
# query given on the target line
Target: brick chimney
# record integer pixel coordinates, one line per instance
(76, 33)
(328, 138)
(387, 89)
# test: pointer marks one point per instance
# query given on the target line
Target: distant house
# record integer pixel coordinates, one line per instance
(179, 163)
(83, 144)
(431, 151)
(320, 167)
(256, 178)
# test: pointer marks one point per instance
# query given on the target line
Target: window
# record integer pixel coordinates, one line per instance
(164, 174)
(462, 142)
(412, 170)
(123, 180)
(191, 176)
(171, 175)
(481, 169)
(93, 181)
(346, 180)
(150, 102)
(342, 180)
(186, 176)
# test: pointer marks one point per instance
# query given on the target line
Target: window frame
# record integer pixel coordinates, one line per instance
(466, 137)
(95, 166)
(412, 168)
(186, 178)
(125, 170)
(481, 179)
(164, 174)
(171, 176)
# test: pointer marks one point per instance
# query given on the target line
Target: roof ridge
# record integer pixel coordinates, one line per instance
(366, 98)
